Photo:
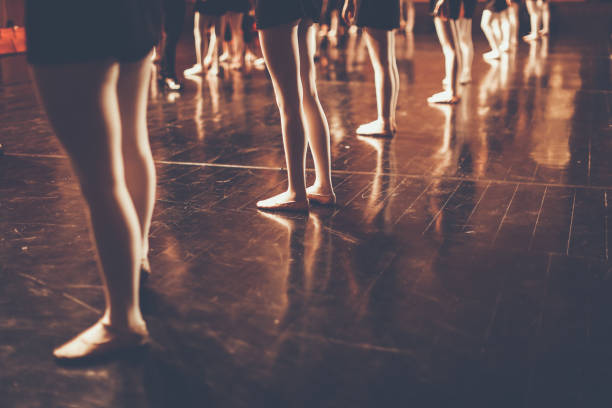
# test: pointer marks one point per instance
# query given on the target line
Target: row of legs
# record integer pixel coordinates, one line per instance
(109, 149)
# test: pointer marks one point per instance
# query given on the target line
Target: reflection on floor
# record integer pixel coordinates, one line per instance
(466, 263)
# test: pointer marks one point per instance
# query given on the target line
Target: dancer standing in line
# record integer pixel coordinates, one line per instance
(236, 9)
(495, 13)
(379, 19)
(208, 15)
(407, 16)
(539, 11)
(513, 19)
(287, 35)
(453, 22)
(174, 17)
(94, 88)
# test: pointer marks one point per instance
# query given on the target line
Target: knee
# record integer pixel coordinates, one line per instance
(99, 184)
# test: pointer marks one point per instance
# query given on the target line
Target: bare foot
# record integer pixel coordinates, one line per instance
(322, 196)
(444, 97)
(493, 54)
(286, 201)
(101, 339)
(376, 128)
(196, 69)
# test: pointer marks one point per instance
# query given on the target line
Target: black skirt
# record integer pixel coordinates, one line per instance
(77, 31)
(211, 7)
(238, 6)
(454, 9)
(272, 13)
(381, 14)
(496, 6)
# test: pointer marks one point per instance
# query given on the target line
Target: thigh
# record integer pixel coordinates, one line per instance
(81, 104)
(307, 49)
(379, 44)
(281, 52)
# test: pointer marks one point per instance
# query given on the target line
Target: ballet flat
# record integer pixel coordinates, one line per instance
(296, 206)
(386, 133)
(322, 199)
(118, 341)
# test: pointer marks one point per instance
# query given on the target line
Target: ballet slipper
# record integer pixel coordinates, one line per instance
(444, 97)
(543, 33)
(491, 55)
(196, 69)
(224, 57)
(207, 62)
(530, 37)
(376, 128)
(101, 340)
(283, 202)
(465, 78)
(321, 199)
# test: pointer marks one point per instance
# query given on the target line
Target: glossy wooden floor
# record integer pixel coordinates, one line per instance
(466, 263)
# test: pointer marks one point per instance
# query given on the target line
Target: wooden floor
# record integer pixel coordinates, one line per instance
(466, 263)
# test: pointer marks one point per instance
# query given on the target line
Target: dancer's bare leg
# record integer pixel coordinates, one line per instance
(534, 19)
(466, 47)
(211, 61)
(92, 139)
(381, 47)
(132, 92)
(197, 39)
(281, 51)
(545, 13)
(315, 122)
(409, 16)
(513, 13)
(504, 21)
(446, 31)
(238, 49)
(486, 25)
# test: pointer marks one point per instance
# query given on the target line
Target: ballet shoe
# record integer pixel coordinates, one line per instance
(376, 129)
(465, 79)
(101, 340)
(277, 203)
(321, 199)
(543, 33)
(530, 37)
(444, 97)
(196, 69)
(491, 55)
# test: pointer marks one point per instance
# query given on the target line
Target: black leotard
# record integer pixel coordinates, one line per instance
(76, 31)
(271, 13)
(381, 14)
